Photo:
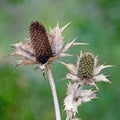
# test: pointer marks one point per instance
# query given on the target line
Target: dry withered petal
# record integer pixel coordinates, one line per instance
(40, 42)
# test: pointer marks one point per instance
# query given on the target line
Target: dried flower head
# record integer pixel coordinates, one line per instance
(42, 48)
(85, 67)
(87, 71)
(40, 43)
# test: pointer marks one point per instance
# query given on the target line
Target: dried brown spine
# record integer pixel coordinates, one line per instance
(40, 42)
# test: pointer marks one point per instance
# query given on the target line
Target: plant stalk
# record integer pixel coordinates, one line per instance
(54, 93)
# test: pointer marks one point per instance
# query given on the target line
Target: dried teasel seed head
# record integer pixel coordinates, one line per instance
(40, 43)
(86, 66)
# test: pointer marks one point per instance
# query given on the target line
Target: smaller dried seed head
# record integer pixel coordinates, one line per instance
(86, 66)
(40, 42)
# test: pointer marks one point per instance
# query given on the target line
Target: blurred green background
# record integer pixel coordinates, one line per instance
(24, 94)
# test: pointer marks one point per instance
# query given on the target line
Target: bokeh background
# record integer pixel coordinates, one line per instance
(24, 94)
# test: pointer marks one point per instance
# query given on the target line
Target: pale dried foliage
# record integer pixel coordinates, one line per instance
(76, 96)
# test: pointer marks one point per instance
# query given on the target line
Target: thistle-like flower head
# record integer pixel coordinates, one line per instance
(42, 48)
(40, 42)
(87, 71)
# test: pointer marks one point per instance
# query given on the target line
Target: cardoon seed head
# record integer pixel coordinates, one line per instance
(86, 66)
(40, 43)
(86, 71)
(42, 48)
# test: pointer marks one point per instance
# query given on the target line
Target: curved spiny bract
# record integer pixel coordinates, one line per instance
(40, 42)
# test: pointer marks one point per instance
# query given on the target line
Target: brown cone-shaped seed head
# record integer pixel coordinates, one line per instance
(86, 66)
(40, 42)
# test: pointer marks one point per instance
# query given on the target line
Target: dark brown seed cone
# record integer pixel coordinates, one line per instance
(40, 43)
(86, 66)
